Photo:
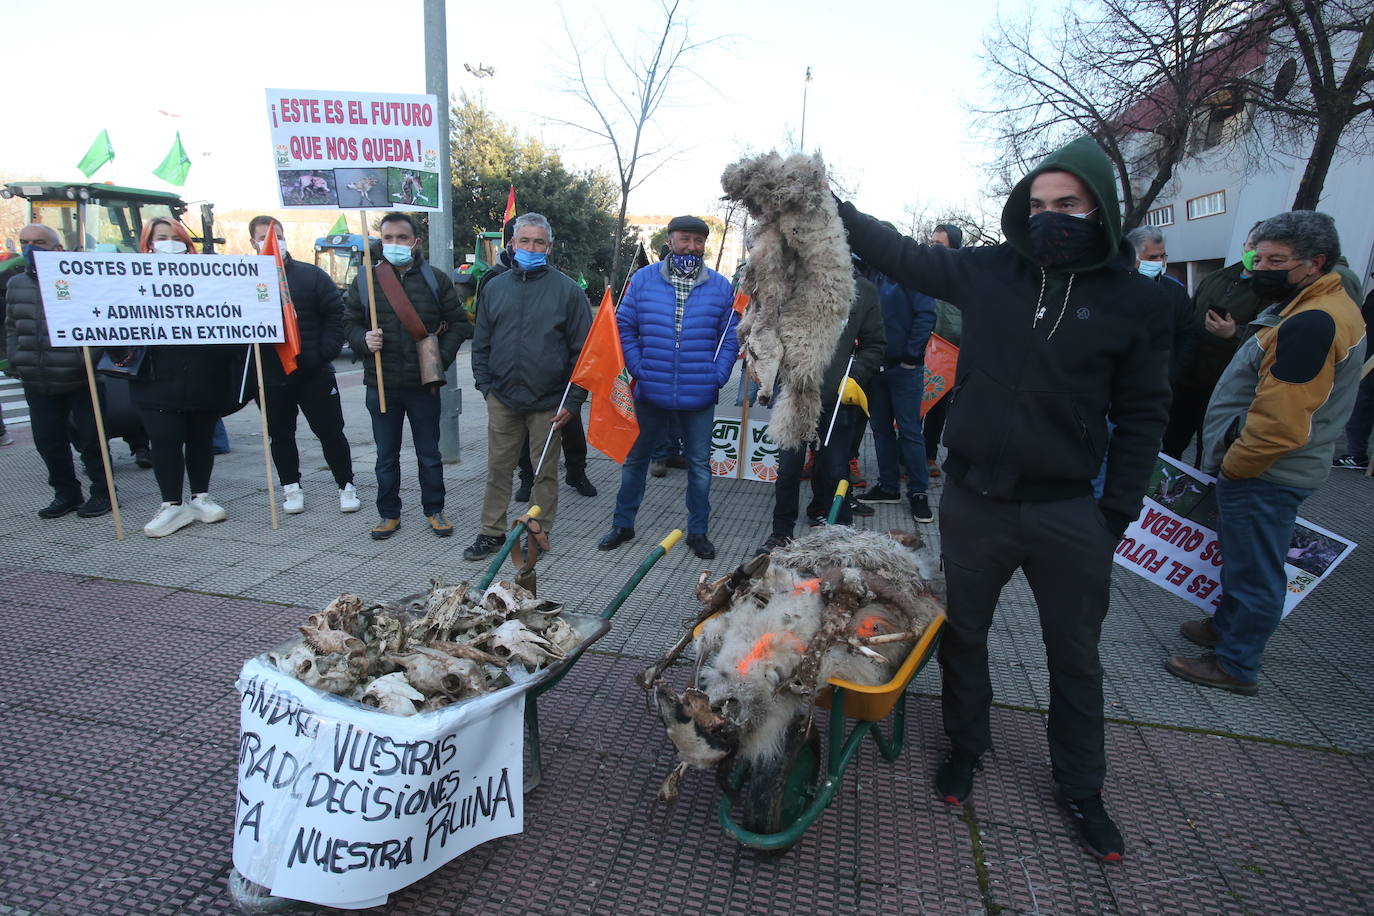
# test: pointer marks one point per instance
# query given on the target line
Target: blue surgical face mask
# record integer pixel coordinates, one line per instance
(398, 255)
(529, 260)
(1151, 269)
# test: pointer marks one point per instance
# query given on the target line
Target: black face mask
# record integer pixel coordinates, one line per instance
(1271, 285)
(1059, 239)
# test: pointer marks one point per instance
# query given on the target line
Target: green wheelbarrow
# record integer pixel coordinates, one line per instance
(590, 627)
(780, 801)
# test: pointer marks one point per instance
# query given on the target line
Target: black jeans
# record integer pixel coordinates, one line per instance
(183, 447)
(574, 449)
(1361, 421)
(1065, 550)
(316, 395)
(1186, 413)
(58, 422)
(422, 408)
(933, 427)
(831, 466)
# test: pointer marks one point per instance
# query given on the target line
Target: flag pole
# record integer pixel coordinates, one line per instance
(104, 446)
(266, 444)
(839, 397)
(372, 313)
(545, 451)
(743, 419)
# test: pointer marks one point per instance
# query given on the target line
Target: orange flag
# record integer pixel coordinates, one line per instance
(942, 358)
(288, 350)
(510, 206)
(611, 424)
(741, 303)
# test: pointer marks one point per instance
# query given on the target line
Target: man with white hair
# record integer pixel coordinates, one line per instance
(54, 380)
(531, 323)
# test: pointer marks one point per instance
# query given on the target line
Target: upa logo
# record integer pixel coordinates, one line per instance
(724, 448)
(936, 385)
(763, 455)
(283, 154)
(262, 292)
(430, 159)
(64, 289)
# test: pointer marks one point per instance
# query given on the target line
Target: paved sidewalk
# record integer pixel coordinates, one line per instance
(119, 722)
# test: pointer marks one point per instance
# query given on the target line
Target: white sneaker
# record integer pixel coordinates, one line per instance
(205, 508)
(294, 503)
(6, 439)
(171, 517)
(348, 499)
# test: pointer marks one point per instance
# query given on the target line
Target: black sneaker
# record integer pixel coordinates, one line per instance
(143, 457)
(954, 779)
(920, 508)
(94, 507)
(815, 521)
(880, 495)
(60, 506)
(522, 494)
(773, 543)
(1350, 462)
(485, 545)
(701, 546)
(863, 510)
(582, 485)
(1095, 828)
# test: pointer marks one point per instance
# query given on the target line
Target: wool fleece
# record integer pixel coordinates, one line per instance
(799, 282)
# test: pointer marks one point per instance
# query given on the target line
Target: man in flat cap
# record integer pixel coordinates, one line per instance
(677, 331)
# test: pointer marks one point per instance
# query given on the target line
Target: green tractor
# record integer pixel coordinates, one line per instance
(104, 217)
(485, 252)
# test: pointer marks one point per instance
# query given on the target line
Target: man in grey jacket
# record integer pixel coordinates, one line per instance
(54, 380)
(531, 323)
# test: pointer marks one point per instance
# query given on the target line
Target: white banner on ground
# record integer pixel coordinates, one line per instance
(101, 300)
(1174, 542)
(341, 805)
(355, 150)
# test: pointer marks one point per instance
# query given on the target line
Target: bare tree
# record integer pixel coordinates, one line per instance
(1320, 85)
(1135, 75)
(625, 86)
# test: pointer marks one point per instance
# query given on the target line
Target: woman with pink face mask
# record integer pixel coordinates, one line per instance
(181, 392)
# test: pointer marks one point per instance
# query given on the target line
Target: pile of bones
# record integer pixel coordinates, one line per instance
(430, 650)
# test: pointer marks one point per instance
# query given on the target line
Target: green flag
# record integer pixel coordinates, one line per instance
(175, 165)
(581, 280)
(340, 226)
(100, 153)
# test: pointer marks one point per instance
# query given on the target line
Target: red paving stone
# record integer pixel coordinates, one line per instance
(117, 792)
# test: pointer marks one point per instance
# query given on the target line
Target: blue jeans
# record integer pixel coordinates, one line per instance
(895, 394)
(671, 446)
(1256, 527)
(654, 425)
(422, 408)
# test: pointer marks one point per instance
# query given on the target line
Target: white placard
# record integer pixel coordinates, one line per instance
(1174, 543)
(109, 299)
(341, 805)
(355, 150)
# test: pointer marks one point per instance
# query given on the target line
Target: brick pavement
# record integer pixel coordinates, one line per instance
(119, 726)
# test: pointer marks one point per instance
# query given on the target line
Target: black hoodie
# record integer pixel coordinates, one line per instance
(1028, 413)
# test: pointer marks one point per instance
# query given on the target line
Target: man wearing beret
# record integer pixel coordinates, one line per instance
(677, 331)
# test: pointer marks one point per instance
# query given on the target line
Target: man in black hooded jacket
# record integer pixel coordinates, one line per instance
(1060, 333)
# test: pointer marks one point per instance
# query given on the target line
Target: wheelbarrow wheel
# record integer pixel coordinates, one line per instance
(775, 794)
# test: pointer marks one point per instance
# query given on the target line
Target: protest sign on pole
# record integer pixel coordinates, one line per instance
(1174, 543)
(355, 150)
(134, 300)
(340, 804)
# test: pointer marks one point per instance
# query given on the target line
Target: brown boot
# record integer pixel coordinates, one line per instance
(1206, 671)
(1200, 632)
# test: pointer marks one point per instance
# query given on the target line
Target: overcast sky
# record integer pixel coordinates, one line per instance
(884, 106)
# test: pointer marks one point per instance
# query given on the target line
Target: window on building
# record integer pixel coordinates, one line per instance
(1207, 205)
(1160, 216)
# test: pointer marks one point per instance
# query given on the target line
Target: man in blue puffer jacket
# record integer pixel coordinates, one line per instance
(677, 330)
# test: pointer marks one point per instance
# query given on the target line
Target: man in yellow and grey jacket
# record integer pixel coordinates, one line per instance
(1269, 437)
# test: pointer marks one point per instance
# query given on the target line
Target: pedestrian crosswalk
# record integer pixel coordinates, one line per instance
(12, 403)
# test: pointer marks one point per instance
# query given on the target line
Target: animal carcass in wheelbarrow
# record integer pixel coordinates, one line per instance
(838, 603)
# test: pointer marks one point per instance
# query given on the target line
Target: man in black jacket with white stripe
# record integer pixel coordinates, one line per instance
(312, 389)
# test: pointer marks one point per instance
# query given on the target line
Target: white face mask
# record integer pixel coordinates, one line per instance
(169, 246)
